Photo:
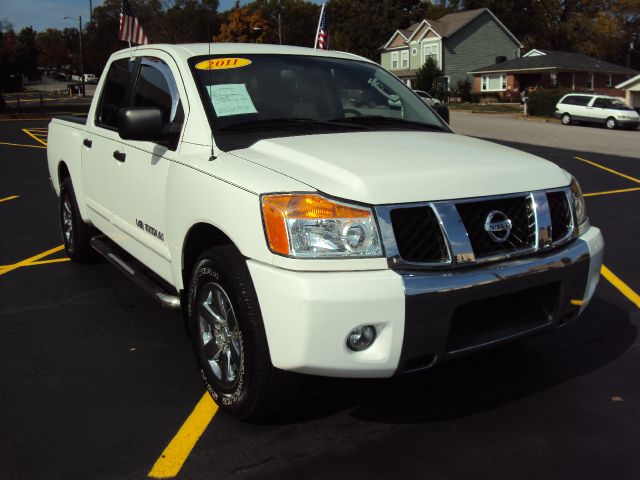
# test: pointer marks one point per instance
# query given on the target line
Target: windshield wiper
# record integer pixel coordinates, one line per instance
(287, 122)
(373, 120)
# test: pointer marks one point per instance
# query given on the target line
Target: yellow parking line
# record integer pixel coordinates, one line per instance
(178, 450)
(610, 170)
(28, 261)
(26, 130)
(611, 192)
(621, 286)
(6, 199)
(21, 145)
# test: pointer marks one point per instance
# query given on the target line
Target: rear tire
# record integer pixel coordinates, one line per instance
(611, 123)
(229, 339)
(76, 234)
(565, 119)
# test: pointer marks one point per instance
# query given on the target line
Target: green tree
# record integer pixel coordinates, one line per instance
(8, 71)
(427, 77)
(298, 20)
(27, 53)
(364, 26)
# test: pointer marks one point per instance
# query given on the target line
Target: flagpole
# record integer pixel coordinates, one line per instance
(315, 42)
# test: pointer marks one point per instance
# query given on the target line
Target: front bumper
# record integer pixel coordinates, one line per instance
(421, 317)
(628, 122)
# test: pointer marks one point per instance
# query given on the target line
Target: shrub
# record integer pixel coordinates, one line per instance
(463, 89)
(542, 102)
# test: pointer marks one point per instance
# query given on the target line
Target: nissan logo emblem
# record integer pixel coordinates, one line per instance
(498, 226)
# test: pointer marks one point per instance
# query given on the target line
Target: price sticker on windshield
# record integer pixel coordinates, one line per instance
(223, 63)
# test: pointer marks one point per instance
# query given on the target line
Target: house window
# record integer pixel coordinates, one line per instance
(394, 60)
(494, 83)
(414, 51)
(430, 50)
(609, 81)
(405, 58)
(590, 81)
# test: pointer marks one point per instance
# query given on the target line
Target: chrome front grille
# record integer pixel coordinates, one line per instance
(457, 233)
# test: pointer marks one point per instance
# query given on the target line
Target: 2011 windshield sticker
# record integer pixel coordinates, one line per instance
(223, 63)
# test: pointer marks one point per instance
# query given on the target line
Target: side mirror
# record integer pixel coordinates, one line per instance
(145, 124)
(443, 111)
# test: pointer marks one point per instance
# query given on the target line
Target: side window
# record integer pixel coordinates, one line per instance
(156, 87)
(582, 100)
(570, 100)
(602, 103)
(114, 93)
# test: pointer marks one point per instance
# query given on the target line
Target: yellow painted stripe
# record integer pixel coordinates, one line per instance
(6, 199)
(21, 145)
(621, 286)
(611, 192)
(26, 130)
(607, 169)
(178, 450)
(41, 262)
(22, 263)
(577, 303)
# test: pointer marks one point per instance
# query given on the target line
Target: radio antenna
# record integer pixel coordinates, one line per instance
(209, 40)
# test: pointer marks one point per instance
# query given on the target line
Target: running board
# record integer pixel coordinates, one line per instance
(135, 270)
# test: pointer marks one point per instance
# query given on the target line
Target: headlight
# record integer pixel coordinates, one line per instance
(311, 226)
(579, 206)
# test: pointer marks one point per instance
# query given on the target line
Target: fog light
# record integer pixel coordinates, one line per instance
(361, 338)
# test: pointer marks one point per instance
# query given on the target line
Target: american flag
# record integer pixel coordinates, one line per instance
(130, 28)
(322, 42)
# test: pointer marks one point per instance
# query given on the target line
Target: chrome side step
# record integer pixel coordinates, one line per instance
(140, 274)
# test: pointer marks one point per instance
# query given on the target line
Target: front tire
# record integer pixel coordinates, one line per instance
(229, 340)
(611, 123)
(565, 119)
(75, 233)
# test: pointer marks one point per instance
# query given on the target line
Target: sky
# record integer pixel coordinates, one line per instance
(43, 14)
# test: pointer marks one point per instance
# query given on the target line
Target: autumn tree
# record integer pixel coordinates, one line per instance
(245, 26)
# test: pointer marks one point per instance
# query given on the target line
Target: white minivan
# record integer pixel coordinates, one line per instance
(610, 111)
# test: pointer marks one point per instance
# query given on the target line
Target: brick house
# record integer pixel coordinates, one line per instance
(548, 69)
(458, 42)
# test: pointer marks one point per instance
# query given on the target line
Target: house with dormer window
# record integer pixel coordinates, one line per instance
(458, 43)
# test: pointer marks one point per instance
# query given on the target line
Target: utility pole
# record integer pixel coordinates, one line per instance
(81, 52)
(91, 11)
(280, 21)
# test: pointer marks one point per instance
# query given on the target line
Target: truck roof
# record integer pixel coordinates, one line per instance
(187, 50)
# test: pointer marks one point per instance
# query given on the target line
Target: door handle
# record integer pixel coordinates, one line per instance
(120, 156)
(87, 143)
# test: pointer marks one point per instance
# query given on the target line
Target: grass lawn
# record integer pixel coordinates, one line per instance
(486, 108)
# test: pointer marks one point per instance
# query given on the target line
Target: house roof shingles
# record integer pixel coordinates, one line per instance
(556, 60)
(447, 25)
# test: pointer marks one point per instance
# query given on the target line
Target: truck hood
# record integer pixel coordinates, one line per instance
(397, 167)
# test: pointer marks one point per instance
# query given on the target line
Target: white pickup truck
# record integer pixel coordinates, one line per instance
(299, 233)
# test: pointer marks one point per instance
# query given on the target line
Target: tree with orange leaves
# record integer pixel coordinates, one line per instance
(244, 26)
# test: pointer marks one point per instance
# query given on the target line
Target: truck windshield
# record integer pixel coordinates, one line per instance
(250, 97)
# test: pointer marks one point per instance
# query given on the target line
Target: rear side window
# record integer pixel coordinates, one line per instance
(603, 103)
(157, 88)
(576, 100)
(114, 93)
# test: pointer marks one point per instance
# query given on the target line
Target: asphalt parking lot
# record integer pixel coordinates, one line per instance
(99, 382)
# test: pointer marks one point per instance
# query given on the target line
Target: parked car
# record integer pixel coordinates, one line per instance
(591, 108)
(90, 78)
(301, 234)
(428, 99)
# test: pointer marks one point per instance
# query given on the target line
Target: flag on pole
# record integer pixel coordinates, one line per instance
(322, 36)
(130, 29)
